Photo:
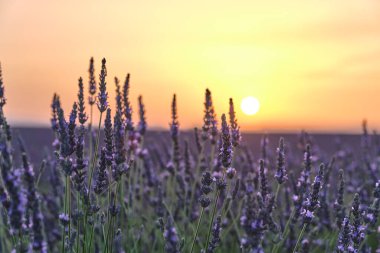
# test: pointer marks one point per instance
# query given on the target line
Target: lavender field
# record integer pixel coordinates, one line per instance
(111, 184)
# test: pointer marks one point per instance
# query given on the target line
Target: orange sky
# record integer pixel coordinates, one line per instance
(311, 64)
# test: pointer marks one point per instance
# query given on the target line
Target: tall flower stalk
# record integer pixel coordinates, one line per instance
(225, 155)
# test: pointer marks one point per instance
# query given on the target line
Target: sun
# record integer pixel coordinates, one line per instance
(250, 105)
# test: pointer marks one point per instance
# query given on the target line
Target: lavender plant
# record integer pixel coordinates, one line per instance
(123, 188)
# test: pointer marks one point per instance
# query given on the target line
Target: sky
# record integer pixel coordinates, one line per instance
(313, 65)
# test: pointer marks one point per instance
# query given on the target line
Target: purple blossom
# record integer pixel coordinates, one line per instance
(2, 97)
(235, 129)
(226, 150)
(142, 123)
(91, 82)
(127, 105)
(81, 104)
(103, 95)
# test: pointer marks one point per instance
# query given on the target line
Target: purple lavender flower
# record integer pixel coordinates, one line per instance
(142, 123)
(91, 83)
(235, 129)
(206, 188)
(339, 205)
(33, 202)
(210, 124)
(71, 127)
(101, 180)
(312, 203)
(263, 180)
(302, 185)
(55, 106)
(81, 163)
(81, 104)
(281, 174)
(2, 97)
(127, 105)
(120, 151)
(174, 133)
(345, 237)
(63, 135)
(18, 200)
(226, 150)
(64, 219)
(357, 228)
(171, 237)
(119, 106)
(215, 239)
(108, 138)
(103, 95)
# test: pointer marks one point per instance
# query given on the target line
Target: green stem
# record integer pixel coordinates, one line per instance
(284, 233)
(213, 215)
(200, 156)
(196, 231)
(93, 161)
(300, 237)
(115, 201)
(277, 192)
(78, 224)
(65, 212)
(68, 183)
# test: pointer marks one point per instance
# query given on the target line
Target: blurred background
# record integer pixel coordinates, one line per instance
(312, 65)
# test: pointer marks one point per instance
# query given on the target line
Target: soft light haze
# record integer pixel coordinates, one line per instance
(313, 65)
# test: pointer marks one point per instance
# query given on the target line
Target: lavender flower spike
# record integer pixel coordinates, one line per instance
(142, 123)
(281, 174)
(210, 124)
(81, 163)
(120, 152)
(119, 106)
(33, 202)
(65, 149)
(2, 98)
(345, 240)
(71, 127)
(357, 228)
(313, 203)
(263, 180)
(226, 150)
(91, 83)
(103, 95)
(108, 140)
(81, 105)
(215, 240)
(127, 106)
(171, 237)
(174, 132)
(235, 130)
(339, 204)
(101, 180)
(55, 106)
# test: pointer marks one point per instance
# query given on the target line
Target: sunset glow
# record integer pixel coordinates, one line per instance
(250, 105)
(314, 65)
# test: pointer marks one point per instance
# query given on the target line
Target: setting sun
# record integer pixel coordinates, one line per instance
(250, 105)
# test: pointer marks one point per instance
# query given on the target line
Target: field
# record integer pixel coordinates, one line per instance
(120, 187)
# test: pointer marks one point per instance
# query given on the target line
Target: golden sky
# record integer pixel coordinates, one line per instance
(313, 65)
